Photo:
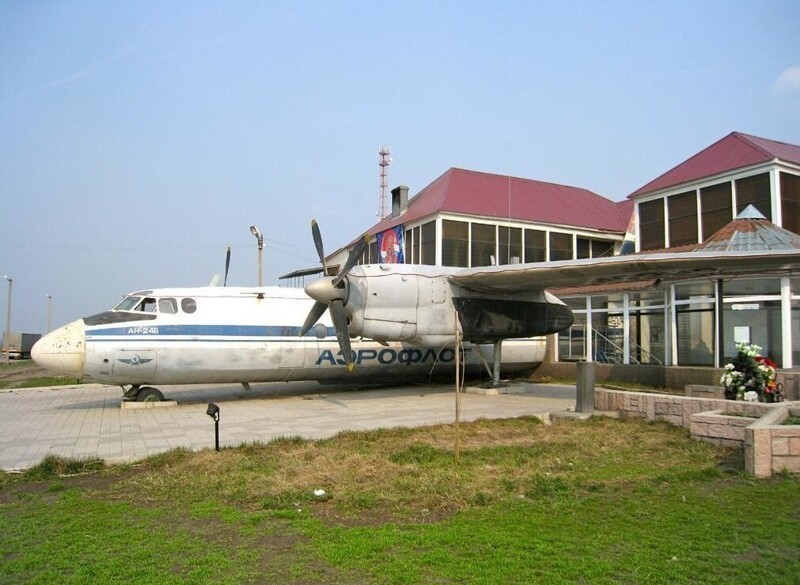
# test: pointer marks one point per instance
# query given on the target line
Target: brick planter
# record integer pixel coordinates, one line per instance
(769, 446)
(718, 427)
(772, 447)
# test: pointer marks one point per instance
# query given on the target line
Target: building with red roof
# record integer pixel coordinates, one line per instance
(469, 218)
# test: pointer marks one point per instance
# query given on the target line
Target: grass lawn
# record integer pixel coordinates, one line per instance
(25, 374)
(607, 501)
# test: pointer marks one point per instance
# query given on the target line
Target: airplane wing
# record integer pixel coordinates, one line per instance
(513, 278)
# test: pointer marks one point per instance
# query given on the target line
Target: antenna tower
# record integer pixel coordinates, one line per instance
(384, 153)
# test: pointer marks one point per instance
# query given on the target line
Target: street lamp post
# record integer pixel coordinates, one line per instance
(6, 345)
(49, 312)
(260, 237)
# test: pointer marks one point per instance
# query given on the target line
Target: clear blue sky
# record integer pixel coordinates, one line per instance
(139, 139)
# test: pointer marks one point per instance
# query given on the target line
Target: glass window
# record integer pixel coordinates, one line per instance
(647, 299)
(483, 244)
(374, 256)
(651, 225)
(757, 322)
(648, 339)
(602, 249)
(188, 305)
(790, 202)
(717, 210)
(796, 332)
(695, 331)
(535, 246)
(148, 305)
(696, 334)
(682, 219)
(127, 304)
(752, 287)
(509, 242)
(754, 191)
(583, 248)
(694, 290)
(560, 246)
(411, 251)
(169, 306)
(455, 239)
(752, 313)
(572, 342)
(428, 243)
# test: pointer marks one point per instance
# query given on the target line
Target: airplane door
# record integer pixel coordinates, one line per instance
(135, 365)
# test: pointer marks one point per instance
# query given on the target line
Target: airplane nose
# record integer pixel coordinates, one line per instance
(62, 350)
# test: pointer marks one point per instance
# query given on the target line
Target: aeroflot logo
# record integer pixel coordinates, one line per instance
(390, 356)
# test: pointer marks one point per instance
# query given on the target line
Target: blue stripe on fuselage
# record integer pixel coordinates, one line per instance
(204, 331)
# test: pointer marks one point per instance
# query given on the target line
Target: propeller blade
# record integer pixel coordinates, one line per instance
(318, 244)
(329, 295)
(227, 265)
(313, 316)
(342, 334)
(354, 256)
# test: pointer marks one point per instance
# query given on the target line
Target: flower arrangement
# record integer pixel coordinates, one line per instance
(750, 376)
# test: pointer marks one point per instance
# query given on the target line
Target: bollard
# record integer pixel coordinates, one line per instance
(584, 401)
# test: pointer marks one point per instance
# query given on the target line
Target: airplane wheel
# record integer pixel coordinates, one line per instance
(148, 394)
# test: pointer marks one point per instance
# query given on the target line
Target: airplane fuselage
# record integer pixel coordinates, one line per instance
(243, 335)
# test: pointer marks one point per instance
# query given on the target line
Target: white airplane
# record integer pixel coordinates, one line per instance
(407, 319)
(403, 317)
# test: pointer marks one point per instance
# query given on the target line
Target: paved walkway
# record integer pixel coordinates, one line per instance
(87, 421)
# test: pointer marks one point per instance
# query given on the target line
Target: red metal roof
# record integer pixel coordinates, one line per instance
(735, 151)
(475, 193)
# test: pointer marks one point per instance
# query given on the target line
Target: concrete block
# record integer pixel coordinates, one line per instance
(762, 452)
(780, 446)
(781, 464)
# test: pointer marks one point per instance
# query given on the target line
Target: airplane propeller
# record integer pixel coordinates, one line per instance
(331, 294)
(227, 266)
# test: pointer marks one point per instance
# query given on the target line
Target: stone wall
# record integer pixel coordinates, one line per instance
(718, 427)
(672, 377)
(674, 409)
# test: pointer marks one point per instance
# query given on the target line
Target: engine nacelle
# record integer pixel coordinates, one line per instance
(390, 302)
(397, 302)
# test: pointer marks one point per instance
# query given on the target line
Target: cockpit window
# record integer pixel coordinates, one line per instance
(167, 306)
(148, 305)
(188, 305)
(127, 304)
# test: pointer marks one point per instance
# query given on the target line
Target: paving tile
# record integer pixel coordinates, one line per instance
(87, 421)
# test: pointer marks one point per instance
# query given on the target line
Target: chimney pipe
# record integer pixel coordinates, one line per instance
(399, 200)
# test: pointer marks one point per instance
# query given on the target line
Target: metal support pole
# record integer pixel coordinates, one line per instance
(7, 344)
(584, 400)
(260, 238)
(498, 350)
(49, 312)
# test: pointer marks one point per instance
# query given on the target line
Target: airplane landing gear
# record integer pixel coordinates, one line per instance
(148, 394)
(142, 394)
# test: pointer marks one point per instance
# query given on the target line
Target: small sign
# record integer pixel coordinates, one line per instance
(741, 334)
(745, 307)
